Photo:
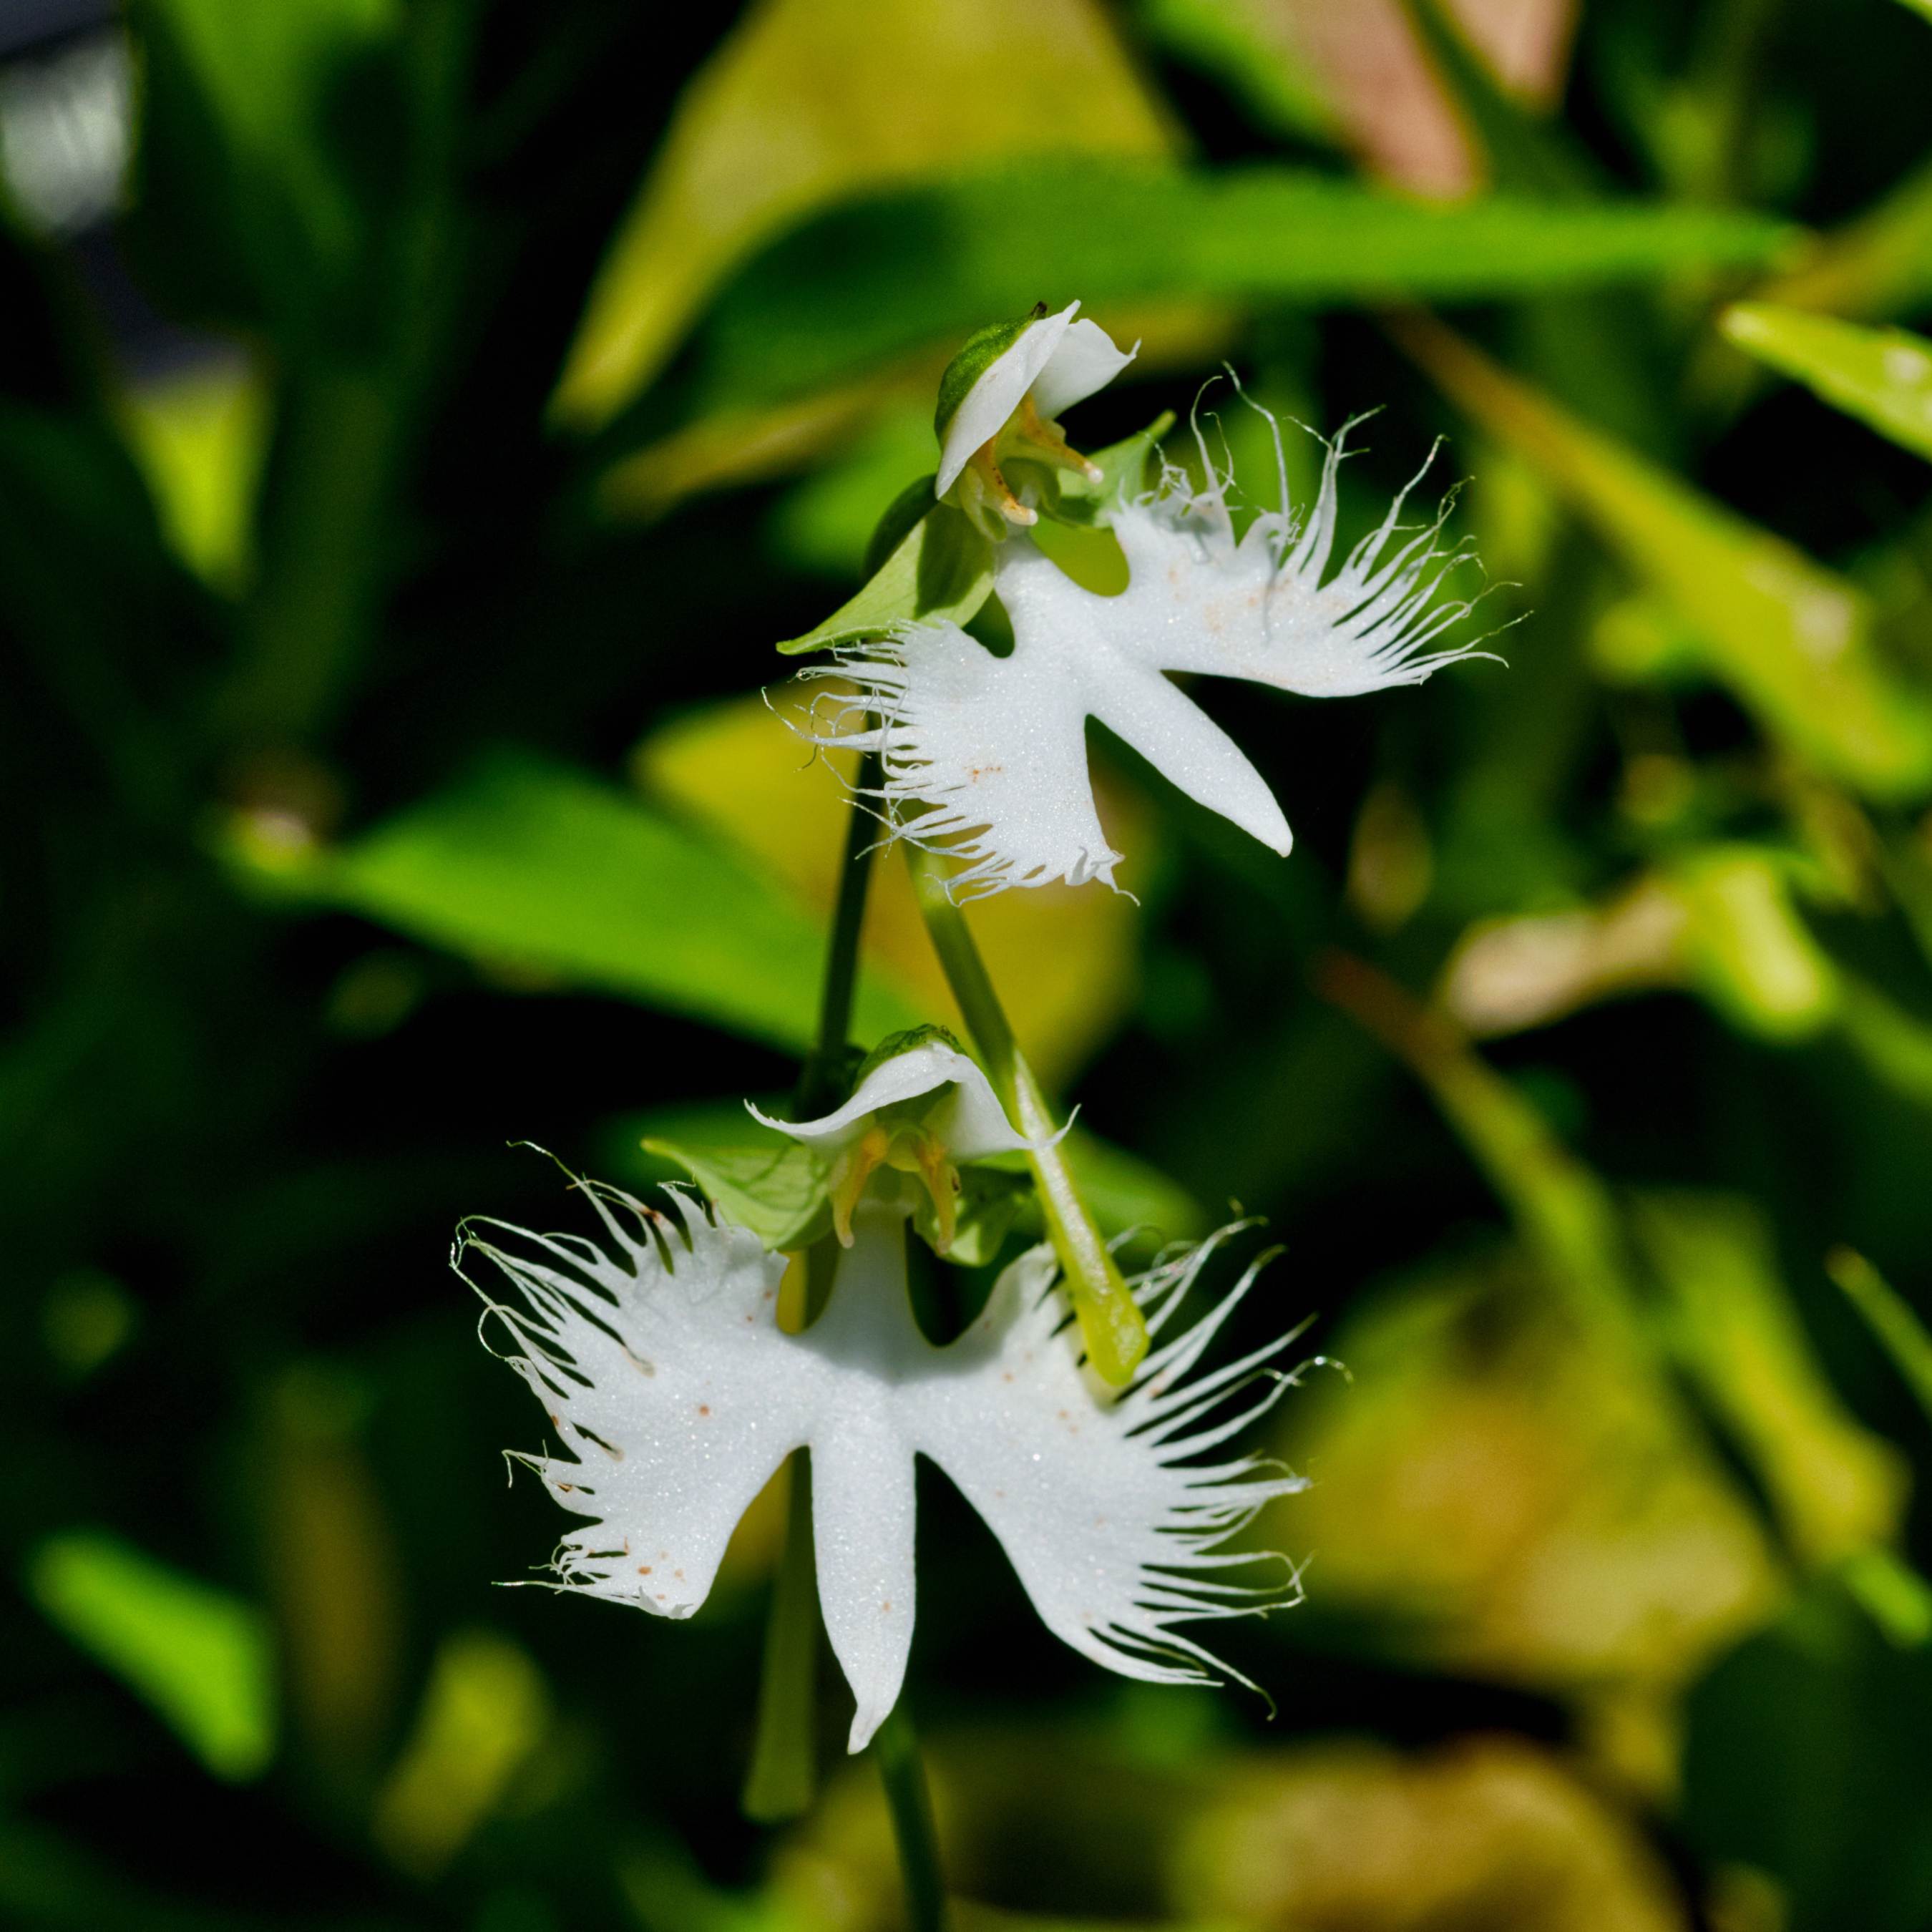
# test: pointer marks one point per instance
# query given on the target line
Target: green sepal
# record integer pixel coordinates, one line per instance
(764, 1181)
(942, 568)
(980, 351)
(907, 1039)
(903, 514)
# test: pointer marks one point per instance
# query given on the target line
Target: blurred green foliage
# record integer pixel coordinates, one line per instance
(400, 498)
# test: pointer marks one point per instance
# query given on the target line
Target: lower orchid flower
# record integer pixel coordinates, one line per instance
(659, 1356)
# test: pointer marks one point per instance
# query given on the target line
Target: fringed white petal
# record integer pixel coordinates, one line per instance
(989, 753)
(1264, 607)
(1114, 1531)
(660, 1362)
(984, 757)
(654, 1357)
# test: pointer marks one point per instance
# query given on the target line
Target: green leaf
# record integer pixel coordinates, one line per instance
(884, 276)
(1883, 376)
(1248, 46)
(273, 147)
(763, 1180)
(537, 868)
(1524, 152)
(1746, 947)
(485, 1711)
(1790, 639)
(199, 1656)
(806, 101)
(1898, 1326)
(1837, 1488)
(1877, 266)
(942, 568)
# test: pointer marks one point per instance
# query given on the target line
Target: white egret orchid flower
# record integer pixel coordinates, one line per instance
(658, 1357)
(998, 399)
(921, 1107)
(985, 757)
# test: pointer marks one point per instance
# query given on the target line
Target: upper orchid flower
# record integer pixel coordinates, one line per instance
(660, 1363)
(921, 1107)
(985, 758)
(998, 400)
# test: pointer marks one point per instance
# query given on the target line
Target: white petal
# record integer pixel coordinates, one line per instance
(862, 1505)
(655, 1363)
(665, 1372)
(1112, 1533)
(1002, 387)
(971, 1121)
(1126, 691)
(1086, 361)
(993, 748)
(1197, 601)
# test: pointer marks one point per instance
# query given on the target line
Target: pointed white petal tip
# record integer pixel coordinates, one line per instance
(657, 1358)
(1087, 359)
(970, 1123)
(984, 757)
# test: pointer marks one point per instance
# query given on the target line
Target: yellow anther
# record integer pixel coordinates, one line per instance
(855, 1167)
(986, 497)
(1031, 434)
(942, 1182)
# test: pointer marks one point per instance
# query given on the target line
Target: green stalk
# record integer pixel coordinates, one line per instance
(784, 1766)
(820, 1084)
(895, 1748)
(1111, 1324)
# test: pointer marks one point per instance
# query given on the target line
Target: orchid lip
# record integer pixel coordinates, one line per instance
(656, 1353)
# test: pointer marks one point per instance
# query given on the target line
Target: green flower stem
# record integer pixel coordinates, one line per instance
(895, 1748)
(1111, 1324)
(785, 1761)
(821, 1083)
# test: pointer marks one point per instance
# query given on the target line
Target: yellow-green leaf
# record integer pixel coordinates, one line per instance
(1883, 376)
(1900, 1328)
(1791, 640)
(1837, 1488)
(808, 100)
(485, 1710)
(199, 1656)
(540, 869)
